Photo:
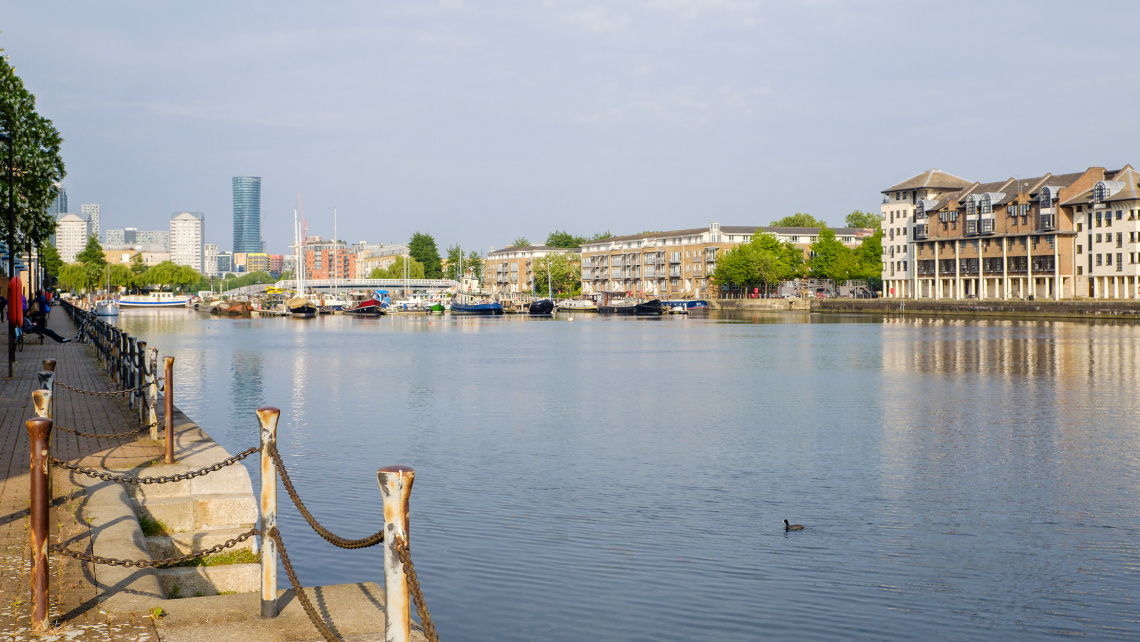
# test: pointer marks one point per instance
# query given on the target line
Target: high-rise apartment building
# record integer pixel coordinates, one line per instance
(115, 237)
(91, 211)
(58, 207)
(186, 232)
(154, 238)
(71, 232)
(247, 213)
(209, 259)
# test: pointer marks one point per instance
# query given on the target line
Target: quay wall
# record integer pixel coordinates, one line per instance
(759, 304)
(1127, 309)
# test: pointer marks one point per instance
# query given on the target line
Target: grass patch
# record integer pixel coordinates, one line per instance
(151, 526)
(241, 556)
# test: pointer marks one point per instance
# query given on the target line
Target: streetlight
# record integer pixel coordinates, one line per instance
(11, 244)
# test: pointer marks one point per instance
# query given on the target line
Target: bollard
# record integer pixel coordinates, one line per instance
(42, 402)
(129, 370)
(168, 398)
(268, 417)
(39, 432)
(396, 487)
(152, 419)
(140, 379)
(49, 365)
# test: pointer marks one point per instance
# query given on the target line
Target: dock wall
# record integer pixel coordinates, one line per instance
(1044, 309)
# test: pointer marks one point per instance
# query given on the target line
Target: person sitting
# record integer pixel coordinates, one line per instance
(37, 327)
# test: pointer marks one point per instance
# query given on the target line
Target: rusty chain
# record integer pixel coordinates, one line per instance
(319, 623)
(95, 436)
(110, 393)
(330, 537)
(169, 561)
(163, 479)
(401, 546)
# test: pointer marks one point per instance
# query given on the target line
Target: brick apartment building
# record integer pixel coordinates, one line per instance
(509, 270)
(1051, 236)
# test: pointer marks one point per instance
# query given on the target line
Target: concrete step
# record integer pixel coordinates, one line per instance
(162, 546)
(182, 514)
(197, 581)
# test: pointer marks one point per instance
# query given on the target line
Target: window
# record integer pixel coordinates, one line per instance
(1098, 219)
(1080, 270)
(1120, 239)
(1079, 226)
(1108, 259)
(1100, 192)
(1098, 238)
(1119, 214)
(1107, 219)
(1119, 262)
(1078, 249)
(1098, 259)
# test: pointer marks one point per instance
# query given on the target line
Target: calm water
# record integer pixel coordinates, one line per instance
(627, 479)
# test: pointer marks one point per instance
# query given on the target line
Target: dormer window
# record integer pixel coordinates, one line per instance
(1045, 198)
(971, 206)
(987, 205)
(1100, 192)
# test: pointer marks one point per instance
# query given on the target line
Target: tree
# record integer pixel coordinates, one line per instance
(50, 260)
(138, 265)
(520, 241)
(799, 219)
(472, 263)
(396, 270)
(869, 257)
(789, 258)
(864, 219)
(559, 238)
(565, 274)
(93, 260)
(831, 259)
(119, 275)
(422, 248)
(600, 236)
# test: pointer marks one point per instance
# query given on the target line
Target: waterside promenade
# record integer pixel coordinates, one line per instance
(74, 602)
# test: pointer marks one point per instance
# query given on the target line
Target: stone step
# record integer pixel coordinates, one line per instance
(182, 514)
(163, 546)
(197, 581)
(228, 480)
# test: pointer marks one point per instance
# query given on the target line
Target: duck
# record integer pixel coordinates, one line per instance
(792, 527)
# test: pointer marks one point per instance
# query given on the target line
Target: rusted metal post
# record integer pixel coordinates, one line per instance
(267, 417)
(39, 433)
(152, 394)
(129, 370)
(140, 379)
(49, 365)
(396, 487)
(168, 398)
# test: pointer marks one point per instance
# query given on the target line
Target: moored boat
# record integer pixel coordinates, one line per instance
(577, 305)
(686, 306)
(154, 300)
(106, 308)
(300, 308)
(540, 308)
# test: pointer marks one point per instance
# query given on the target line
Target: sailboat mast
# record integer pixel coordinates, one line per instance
(336, 255)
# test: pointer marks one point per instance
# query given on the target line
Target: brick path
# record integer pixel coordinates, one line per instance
(74, 609)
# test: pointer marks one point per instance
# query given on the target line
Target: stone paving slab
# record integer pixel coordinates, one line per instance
(74, 607)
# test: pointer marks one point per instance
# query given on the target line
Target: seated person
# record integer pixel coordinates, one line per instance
(38, 327)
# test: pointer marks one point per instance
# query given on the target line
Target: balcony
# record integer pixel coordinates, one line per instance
(987, 225)
(971, 227)
(921, 231)
(1047, 222)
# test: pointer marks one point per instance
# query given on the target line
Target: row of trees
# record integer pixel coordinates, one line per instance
(91, 271)
(765, 261)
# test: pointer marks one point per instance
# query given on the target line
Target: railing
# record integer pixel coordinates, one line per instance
(401, 583)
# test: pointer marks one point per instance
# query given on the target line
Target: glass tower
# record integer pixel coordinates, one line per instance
(247, 214)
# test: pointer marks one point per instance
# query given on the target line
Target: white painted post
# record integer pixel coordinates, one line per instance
(268, 417)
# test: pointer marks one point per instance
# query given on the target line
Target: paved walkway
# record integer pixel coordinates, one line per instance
(75, 607)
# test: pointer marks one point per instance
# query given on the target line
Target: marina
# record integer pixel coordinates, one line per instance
(915, 440)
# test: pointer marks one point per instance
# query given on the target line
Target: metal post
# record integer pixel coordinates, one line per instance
(168, 398)
(268, 417)
(39, 433)
(396, 487)
(152, 394)
(140, 379)
(129, 370)
(49, 365)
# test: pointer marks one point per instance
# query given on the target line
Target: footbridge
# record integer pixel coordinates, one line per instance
(392, 285)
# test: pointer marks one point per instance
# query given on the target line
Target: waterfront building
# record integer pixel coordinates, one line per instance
(247, 213)
(1052, 236)
(209, 259)
(187, 230)
(276, 264)
(225, 262)
(71, 233)
(289, 263)
(510, 270)
(370, 256)
(257, 262)
(115, 237)
(677, 264)
(328, 259)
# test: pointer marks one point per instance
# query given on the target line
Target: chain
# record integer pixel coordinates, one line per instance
(323, 628)
(129, 433)
(110, 393)
(401, 546)
(164, 479)
(335, 540)
(169, 561)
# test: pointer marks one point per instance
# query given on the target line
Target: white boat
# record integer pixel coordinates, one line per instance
(155, 300)
(106, 308)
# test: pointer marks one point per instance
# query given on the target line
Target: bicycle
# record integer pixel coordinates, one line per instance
(19, 339)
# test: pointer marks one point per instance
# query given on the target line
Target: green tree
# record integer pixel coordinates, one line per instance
(38, 165)
(520, 241)
(396, 270)
(600, 236)
(799, 219)
(869, 257)
(830, 258)
(49, 259)
(789, 258)
(864, 219)
(73, 277)
(559, 238)
(565, 269)
(118, 275)
(93, 260)
(138, 265)
(472, 263)
(422, 248)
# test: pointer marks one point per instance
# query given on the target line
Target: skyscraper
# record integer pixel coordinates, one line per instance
(247, 214)
(58, 207)
(92, 212)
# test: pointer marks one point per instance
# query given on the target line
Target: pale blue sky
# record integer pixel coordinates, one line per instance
(481, 121)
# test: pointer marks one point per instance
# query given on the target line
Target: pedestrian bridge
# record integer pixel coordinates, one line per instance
(392, 285)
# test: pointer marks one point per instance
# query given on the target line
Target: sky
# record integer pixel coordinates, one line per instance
(481, 122)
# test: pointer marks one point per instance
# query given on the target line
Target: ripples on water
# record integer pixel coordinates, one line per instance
(628, 478)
